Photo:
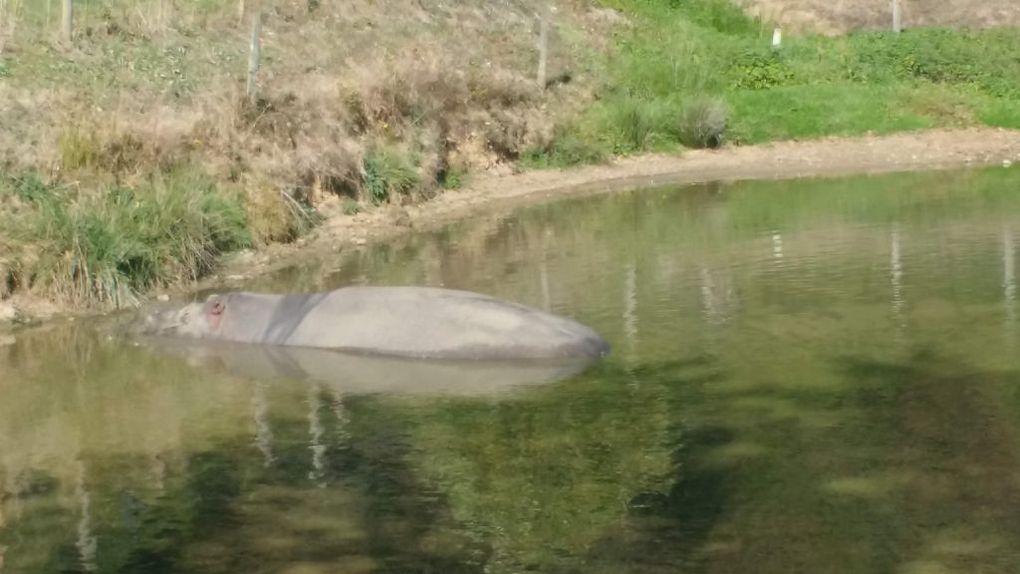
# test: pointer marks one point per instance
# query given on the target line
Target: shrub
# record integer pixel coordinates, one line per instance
(569, 147)
(703, 123)
(106, 247)
(351, 207)
(8, 274)
(78, 149)
(760, 70)
(388, 172)
(634, 123)
(452, 178)
(722, 16)
(984, 59)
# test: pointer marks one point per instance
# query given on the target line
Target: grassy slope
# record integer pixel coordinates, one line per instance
(378, 102)
(682, 52)
(838, 17)
(359, 101)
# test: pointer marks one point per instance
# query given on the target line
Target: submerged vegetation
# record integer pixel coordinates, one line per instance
(345, 121)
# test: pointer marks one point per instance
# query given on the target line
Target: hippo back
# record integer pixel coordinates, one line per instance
(409, 321)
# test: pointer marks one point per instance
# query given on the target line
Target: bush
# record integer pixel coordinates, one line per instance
(633, 122)
(351, 207)
(388, 172)
(78, 149)
(452, 178)
(8, 274)
(723, 16)
(1001, 113)
(275, 216)
(761, 70)
(105, 248)
(703, 124)
(568, 147)
(983, 59)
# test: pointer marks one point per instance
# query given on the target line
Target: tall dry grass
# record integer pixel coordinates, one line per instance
(368, 101)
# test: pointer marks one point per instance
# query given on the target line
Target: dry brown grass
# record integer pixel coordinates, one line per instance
(838, 16)
(454, 81)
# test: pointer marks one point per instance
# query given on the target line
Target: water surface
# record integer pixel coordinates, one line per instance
(810, 376)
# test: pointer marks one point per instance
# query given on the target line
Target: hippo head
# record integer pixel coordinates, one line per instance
(197, 320)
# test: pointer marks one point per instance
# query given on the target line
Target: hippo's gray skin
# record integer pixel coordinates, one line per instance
(420, 322)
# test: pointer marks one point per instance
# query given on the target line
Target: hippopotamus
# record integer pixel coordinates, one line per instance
(418, 322)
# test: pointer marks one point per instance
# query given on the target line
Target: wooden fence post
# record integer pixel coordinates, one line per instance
(240, 12)
(897, 24)
(543, 43)
(254, 54)
(67, 22)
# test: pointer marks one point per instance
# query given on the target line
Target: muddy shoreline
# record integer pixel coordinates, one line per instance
(492, 193)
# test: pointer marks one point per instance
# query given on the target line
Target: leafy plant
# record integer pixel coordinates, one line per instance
(388, 172)
(757, 70)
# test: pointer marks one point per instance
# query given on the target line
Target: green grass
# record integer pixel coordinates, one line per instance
(812, 111)
(389, 172)
(680, 52)
(572, 144)
(453, 178)
(107, 247)
(1000, 113)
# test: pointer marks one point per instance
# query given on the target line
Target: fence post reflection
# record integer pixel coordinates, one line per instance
(630, 320)
(263, 432)
(86, 541)
(1009, 278)
(342, 419)
(896, 276)
(315, 431)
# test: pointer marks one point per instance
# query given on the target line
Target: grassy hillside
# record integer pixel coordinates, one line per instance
(131, 157)
(688, 73)
(360, 102)
(832, 17)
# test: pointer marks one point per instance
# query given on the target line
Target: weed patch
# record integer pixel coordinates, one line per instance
(105, 248)
(389, 172)
(704, 123)
(569, 146)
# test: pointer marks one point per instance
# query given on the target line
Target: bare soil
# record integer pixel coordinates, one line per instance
(493, 192)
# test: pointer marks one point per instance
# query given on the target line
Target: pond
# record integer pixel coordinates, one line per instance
(816, 375)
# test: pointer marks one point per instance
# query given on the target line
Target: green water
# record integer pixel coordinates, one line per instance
(812, 376)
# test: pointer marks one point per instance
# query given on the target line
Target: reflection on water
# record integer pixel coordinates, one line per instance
(808, 376)
(86, 541)
(1009, 278)
(896, 277)
(365, 373)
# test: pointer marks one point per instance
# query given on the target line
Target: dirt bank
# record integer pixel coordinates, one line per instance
(937, 149)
